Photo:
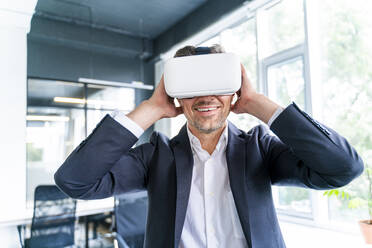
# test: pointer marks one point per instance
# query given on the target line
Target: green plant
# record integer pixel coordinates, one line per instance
(356, 201)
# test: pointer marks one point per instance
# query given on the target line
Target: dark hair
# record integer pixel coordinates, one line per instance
(190, 50)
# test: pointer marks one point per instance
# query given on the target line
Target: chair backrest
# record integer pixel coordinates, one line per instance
(53, 221)
(131, 216)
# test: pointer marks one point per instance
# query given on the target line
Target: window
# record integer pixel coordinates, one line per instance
(345, 90)
(102, 99)
(282, 62)
(59, 118)
(280, 27)
(286, 82)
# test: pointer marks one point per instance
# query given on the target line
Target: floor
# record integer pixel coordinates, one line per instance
(296, 236)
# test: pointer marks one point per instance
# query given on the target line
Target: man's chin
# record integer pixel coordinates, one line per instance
(209, 128)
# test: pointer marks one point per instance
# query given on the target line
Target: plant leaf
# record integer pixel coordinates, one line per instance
(357, 202)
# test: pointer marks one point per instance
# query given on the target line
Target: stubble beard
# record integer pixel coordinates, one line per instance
(199, 125)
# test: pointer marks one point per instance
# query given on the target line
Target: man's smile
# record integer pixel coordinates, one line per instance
(207, 110)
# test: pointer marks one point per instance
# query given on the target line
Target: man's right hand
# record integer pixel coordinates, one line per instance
(159, 106)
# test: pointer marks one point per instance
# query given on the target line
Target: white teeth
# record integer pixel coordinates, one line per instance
(205, 109)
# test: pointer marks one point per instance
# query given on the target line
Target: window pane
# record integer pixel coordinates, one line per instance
(241, 40)
(293, 200)
(346, 89)
(56, 122)
(286, 82)
(107, 97)
(103, 100)
(281, 27)
(51, 135)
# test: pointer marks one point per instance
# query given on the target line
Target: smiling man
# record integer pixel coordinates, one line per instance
(209, 186)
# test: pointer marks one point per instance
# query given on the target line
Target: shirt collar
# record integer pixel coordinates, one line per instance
(221, 145)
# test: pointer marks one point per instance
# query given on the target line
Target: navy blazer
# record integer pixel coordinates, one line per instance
(303, 153)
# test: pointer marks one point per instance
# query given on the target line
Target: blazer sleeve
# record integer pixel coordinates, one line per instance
(308, 154)
(105, 164)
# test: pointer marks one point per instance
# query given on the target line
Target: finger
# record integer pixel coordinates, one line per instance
(159, 88)
(246, 84)
(161, 82)
(244, 78)
(244, 73)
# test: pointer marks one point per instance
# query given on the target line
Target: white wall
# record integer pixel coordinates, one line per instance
(13, 123)
(15, 17)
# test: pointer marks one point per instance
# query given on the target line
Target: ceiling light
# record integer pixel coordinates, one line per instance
(69, 100)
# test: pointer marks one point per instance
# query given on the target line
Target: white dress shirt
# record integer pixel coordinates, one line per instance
(211, 216)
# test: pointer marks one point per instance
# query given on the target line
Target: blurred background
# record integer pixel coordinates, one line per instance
(64, 64)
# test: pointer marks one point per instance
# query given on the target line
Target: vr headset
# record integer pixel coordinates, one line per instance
(202, 74)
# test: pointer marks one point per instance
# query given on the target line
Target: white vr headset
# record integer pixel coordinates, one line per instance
(202, 75)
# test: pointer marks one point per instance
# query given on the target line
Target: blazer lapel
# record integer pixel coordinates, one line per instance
(236, 164)
(184, 164)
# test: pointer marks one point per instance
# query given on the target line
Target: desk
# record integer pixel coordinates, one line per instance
(83, 208)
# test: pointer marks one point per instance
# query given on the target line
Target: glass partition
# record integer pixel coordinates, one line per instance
(59, 116)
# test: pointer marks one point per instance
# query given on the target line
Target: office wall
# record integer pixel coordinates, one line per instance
(14, 24)
(56, 61)
(13, 121)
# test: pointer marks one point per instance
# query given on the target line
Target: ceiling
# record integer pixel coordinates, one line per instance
(133, 28)
(139, 18)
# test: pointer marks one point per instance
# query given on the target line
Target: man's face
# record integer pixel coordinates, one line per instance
(206, 113)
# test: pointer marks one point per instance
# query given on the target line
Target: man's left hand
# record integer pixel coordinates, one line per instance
(245, 94)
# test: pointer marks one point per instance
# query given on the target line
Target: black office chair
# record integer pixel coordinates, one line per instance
(130, 219)
(53, 221)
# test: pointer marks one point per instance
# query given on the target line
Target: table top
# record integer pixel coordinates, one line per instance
(83, 208)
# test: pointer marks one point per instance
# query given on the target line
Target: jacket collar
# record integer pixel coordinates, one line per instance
(236, 153)
(184, 164)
